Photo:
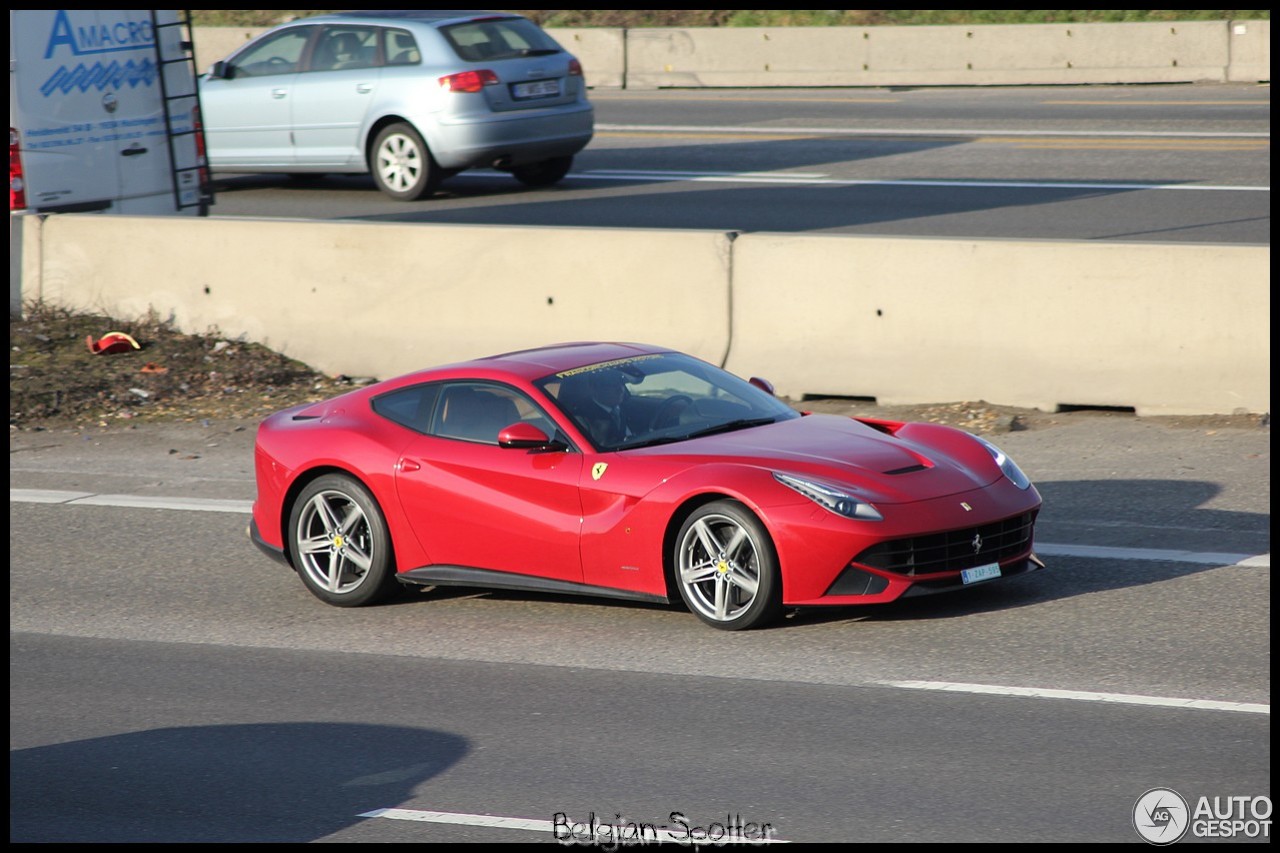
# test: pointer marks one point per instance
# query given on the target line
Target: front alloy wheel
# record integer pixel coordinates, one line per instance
(340, 544)
(402, 165)
(726, 569)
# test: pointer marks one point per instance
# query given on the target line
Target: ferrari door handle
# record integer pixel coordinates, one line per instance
(408, 465)
(279, 93)
(364, 88)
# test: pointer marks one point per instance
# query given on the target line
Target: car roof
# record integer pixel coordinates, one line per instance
(433, 17)
(535, 363)
(531, 364)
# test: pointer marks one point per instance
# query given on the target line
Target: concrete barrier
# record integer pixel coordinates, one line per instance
(989, 54)
(1025, 54)
(384, 299)
(602, 52)
(1250, 45)
(1161, 328)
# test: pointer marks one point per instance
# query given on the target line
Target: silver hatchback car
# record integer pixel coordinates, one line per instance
(410, 97)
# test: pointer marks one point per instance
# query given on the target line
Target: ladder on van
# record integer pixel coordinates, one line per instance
(180, 92)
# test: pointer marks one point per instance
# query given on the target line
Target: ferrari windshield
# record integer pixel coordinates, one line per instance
(658, 399)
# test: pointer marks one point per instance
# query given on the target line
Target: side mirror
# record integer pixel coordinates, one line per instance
(525, 436)
(221, 71)
(763, 384)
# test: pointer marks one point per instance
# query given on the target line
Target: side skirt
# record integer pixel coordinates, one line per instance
(488, 579)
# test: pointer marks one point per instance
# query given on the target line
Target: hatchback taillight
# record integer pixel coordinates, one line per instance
(17, 184)
(575, 68)
(469, 81)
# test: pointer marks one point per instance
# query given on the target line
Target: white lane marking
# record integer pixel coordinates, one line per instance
(1081, 696)
(801, 179)
(51, 496)
(658, 833)
(462, 819)
(886, 131)
(1158, 555)
(1095, 552)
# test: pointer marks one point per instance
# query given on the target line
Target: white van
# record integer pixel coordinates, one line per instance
(104, 113)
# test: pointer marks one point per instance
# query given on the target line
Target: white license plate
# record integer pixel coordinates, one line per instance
(981, 573)
(536, 89)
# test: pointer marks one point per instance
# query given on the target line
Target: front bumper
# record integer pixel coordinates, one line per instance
(821, 553)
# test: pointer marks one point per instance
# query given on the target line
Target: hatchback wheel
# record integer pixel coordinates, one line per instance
(340, 543)
(545, 173)
(726, 568)
(402, 166)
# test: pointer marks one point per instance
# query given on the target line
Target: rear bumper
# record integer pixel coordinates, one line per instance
(512, 138)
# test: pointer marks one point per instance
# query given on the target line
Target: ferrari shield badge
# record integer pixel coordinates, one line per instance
(598, 469)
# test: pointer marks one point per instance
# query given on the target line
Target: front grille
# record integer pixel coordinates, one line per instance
(953, 550)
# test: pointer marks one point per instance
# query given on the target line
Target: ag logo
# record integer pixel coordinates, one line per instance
(598, 469)
(1161, 816)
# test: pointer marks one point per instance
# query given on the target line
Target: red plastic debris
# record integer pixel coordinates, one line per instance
(111, 342)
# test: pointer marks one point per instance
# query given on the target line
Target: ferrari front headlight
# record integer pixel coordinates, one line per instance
(829, 497)
(1007, 465)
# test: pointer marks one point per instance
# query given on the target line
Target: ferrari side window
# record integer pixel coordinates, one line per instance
(410, 407)
(478, 411)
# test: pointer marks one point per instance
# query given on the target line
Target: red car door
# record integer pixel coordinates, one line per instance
(474, 504)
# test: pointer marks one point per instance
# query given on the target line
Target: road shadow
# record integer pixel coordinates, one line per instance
(265, 783)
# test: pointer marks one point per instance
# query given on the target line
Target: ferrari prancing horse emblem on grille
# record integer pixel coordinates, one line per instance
(977, 542)
(598, 469)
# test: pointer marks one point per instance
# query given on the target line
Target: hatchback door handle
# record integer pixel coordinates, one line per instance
(279, 93)
(364, 88)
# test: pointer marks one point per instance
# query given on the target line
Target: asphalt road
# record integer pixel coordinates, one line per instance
(1123, 163)
(167, 682)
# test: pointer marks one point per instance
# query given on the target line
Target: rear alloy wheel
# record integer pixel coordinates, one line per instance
(726, 569)
(340, 544)
(543, 174)
(402, 165)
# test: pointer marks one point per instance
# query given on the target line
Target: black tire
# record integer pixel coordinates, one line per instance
(402, 165)
(544, 173)
(726, 568)
(339, 543)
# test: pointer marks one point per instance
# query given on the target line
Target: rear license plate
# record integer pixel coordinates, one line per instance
(981, 573)
(535, 89)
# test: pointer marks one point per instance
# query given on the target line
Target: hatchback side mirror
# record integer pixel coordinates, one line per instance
(763, 384)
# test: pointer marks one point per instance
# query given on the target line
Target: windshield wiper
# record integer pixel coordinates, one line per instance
(730, 426)
(538, 51)
(650, 442)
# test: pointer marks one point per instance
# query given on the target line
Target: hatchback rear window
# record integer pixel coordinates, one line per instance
(499, 38)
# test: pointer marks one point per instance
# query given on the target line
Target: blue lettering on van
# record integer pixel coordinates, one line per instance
(98, 38)
(113, 75)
